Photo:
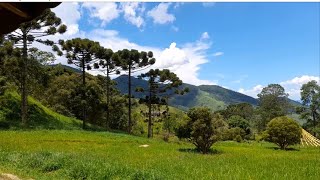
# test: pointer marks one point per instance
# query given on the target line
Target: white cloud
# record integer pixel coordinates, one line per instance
(175, 28)
(205, 35)
(185, 61)
(182, 59)
(292, 87)
(208, 4)
(252, 92)
(160, 14)
(106, 11)
(218, 54)
(133, 13)
(70, 17)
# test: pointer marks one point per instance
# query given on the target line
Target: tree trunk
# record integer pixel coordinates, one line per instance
(24, 73)
(83, 94)
(167, 114)
(314, 123)
(108, 94)
(129, 94)
(150, 118)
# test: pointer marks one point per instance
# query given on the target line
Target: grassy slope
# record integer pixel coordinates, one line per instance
(101, 155)
(40, 116)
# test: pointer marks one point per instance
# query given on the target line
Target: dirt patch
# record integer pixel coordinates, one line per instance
(5, 176)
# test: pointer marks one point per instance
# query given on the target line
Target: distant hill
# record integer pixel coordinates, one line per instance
(213, 96)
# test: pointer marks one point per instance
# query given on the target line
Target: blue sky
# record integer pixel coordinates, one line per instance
(240, 46)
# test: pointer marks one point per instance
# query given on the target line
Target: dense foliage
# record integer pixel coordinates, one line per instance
(283, 131)
(310, 97)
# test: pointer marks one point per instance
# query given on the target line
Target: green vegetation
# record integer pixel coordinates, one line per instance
(56, 155)
(40, 117)
(283, 131)
(47, 101)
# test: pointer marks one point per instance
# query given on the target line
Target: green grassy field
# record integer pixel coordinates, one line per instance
(61, 154)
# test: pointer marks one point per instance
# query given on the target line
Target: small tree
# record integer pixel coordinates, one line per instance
(82, 53)
(283, 131)
(206, 128)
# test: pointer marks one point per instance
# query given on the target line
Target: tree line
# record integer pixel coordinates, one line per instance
(18, 55)
(95, 100)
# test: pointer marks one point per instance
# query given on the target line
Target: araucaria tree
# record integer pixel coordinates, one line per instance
(82, 53)
(162, 83)
(310, 97)
(273, 102)
(109, 64)
(44, 25)
(133, 61)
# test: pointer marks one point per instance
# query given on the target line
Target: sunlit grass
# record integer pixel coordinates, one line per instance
(102, 155)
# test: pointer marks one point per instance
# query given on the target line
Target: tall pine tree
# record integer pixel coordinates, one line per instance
(44, 25)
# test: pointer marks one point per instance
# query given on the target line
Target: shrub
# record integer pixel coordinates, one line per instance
(238, 138)
(232, 133)
(283, 131)
(206, 128)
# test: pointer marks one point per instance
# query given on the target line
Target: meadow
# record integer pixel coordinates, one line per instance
(77, 154)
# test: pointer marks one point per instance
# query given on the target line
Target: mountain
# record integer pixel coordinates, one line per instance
(213, 96)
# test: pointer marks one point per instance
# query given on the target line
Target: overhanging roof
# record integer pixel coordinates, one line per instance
(13, 14)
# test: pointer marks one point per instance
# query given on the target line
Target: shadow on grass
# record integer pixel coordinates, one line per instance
(196, 151)
(287, 149)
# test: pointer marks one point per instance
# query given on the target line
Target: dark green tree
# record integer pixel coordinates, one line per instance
(83, 53)
(206, 128)
(46, 24)
(273, 102)
(245, 110)
(310, 97)
(133, 61)
(162, 83)
(283, 131)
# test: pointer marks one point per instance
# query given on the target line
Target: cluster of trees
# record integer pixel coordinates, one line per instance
(93, 99)
(238, 121)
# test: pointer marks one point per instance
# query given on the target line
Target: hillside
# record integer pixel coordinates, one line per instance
(213, 96)
(40, 117)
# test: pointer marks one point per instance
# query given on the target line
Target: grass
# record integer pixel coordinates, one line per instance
(40, 117)
(61, 154)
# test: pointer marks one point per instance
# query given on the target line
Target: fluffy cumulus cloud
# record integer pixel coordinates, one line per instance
(70, 15)
(292, 87)
(160, 14)
(252, 92)
(106, 11)
(184, 60)
(133, 12)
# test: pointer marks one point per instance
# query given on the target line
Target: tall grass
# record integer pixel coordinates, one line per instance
(103, 155)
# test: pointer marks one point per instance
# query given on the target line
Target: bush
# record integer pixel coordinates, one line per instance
(283, 131)
(232, 133)
(238, 138)
(206, 128)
